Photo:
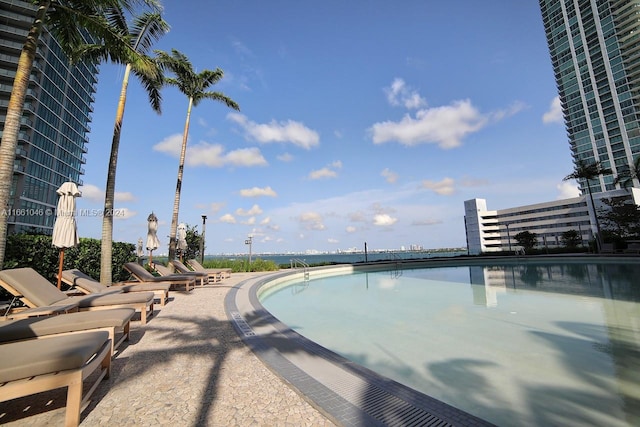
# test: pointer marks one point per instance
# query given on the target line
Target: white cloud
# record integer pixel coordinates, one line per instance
(123, 213)
(399, 94)
(124, 197)
(328, 171)
(446, 126)
(357, 217)
(384, 220)
(96, 194)
(257, 192)
(286, 157)
(567, 190)
(331, 240)
(211, 155)
(513, 109)
(390, 176)
(227, 218)
(554, 115)
(311, 221)
(170, 145)
(245, 157)
(285, 131)
(217, 206)
(323, 173)
(241, 49)
(255, 210)
(350, 229)
(445, 187)
(92, 192)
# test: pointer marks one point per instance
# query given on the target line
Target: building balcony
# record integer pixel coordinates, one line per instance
(21, 152)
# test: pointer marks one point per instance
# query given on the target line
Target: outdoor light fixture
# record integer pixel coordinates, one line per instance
(249, 242)
(204, 221)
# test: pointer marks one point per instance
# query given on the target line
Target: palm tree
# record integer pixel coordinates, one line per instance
(626, 176)
(68, 21)
(145, 29)
(586, 172)
(194, 86)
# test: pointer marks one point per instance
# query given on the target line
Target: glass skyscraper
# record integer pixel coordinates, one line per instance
(595, 52)
(55, 123)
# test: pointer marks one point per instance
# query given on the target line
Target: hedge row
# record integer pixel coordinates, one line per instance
(36, 251)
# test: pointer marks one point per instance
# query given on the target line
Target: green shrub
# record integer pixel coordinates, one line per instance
(36, 251)
(241, 265)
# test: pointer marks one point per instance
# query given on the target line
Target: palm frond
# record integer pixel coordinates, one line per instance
(217, 96)
(146, 29)
(152, 86)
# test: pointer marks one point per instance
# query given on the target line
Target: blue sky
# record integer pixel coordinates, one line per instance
(360, 122)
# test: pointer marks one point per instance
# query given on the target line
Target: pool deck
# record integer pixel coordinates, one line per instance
(213, 357)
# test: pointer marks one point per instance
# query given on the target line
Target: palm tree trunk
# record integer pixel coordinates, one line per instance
(12, 120)
(106, 249)
(176, 201)
(595, 216)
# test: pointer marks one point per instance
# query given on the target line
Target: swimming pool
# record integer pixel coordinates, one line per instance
(536, 343)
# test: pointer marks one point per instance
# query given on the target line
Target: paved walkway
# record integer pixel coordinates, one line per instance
(186, 367)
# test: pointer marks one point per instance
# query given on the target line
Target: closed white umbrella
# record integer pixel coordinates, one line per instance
(182, 239)
(152, 235)
(139, 249)
(65, 230)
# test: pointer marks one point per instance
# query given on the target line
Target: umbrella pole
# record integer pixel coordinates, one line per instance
(60, 267)
(150, 258)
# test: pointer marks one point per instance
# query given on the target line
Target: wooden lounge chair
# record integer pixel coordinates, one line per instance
(116, 322)
(36, 291)
(143, 276)
(224, 273)
(212, 277)
(34, 366)
(607, 248)
(88, 285)
(201, 278)
(632, 248)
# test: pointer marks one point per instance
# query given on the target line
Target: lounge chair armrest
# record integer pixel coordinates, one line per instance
(41, 311)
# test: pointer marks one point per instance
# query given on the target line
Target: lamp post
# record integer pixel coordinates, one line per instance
(204, 221)
(508, 236)
(249, 242)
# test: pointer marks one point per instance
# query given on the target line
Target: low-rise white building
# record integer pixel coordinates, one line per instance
(495, 230)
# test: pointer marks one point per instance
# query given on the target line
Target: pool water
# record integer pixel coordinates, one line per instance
(514, 345)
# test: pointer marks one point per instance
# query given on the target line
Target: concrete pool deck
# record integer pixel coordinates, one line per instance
(213, 357)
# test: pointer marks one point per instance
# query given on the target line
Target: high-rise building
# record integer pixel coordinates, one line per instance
(595, 53)
(55, 123)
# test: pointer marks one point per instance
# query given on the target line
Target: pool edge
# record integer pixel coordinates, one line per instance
(349, 394)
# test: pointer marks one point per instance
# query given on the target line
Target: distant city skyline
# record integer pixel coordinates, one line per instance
(374, 131)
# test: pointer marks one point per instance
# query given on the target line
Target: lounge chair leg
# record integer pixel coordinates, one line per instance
(106, 366)
(127, 331)
(74, 402)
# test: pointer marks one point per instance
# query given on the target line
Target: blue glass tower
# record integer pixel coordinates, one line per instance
(55, 123)
(595, 52)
